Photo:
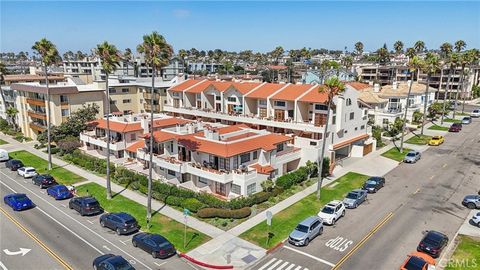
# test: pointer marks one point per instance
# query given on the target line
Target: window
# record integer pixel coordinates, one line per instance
(279, 147)
(349, 102)
(125, 90)
(113, 102)
(352, 116)
(255, 155)
(203, 180)
(262, 102)
(320, 107)
(236, 189)
(127, 101)
(280, 103)
(362, 127)
(112, 90)
(170, 172)
(133, 137)
(385, 121)
(65, 112)
(218, 98)
(232, 99)
(63, 99)
(252, 188)
(313, 143)
(245, 158)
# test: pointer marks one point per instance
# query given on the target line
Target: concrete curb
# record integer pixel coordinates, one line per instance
(183, 255)
(277, 246)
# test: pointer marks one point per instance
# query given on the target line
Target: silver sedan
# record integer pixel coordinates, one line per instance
(354, 198)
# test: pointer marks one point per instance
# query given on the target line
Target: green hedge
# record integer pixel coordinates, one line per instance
(224, 213)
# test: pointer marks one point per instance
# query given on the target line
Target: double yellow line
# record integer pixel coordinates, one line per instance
(364, 239)
(27, 232)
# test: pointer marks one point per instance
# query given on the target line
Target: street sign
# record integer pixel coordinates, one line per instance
(269, 218)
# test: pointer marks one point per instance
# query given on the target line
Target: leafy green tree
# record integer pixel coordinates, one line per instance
(377, 135)
(11, 113)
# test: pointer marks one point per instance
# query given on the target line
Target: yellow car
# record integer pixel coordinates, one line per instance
(436, 140)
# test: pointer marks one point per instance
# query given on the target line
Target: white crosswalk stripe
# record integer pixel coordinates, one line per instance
(277, 264)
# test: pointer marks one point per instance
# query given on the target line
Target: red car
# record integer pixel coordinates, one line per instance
(455, 127)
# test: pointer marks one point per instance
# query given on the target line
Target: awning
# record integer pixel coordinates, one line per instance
(347, 142)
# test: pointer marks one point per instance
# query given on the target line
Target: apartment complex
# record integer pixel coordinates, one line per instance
(389, 102)
(384, 75)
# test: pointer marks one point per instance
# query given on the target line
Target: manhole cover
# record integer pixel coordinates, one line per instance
(249, 258)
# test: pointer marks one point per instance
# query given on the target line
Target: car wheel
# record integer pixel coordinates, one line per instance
(41, 185)
(343, 213)
(307, 241)
(355, 205)
(471, 206)
(118, 231)
(321, 231)
(70, 206)
(134, 243)
(94, 267)
(81, 213)
(154, 255)
(375, 190)
(333, 222)
(102, 223)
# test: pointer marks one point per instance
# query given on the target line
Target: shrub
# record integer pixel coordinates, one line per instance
(224, 213)
(69, 144)
(19, 138)
(54, 150)
(193, 204)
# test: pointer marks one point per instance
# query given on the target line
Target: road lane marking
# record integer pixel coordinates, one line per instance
(290, 267)
(91, 222)
(416, 191)
(339, 243)
(159, 264)
(3, 266)
(22, 251)
(431, 177)
(310, 256)
(444, 165)
(107, 248)
(31, 235)
(275, 265)
(267, 264)
(363, 241)
(282, 266)
(78, 222)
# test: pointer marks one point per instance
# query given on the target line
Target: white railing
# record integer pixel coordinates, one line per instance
(163, 161)
(288, 155)
(102, 142)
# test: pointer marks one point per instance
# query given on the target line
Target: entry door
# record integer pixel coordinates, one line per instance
(262, 112)
(279, 115)
(199, 104)
(176, 103)
(320, 119)
(230, 108)
(220, 188)
(218, 107)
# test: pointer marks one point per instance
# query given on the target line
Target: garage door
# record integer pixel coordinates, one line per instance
(367, 148)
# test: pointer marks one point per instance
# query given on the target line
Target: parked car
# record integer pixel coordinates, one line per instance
(354, 198)
(18, 201)
(436, 140)
(466, 120)
(85, 205)
(111, 262)
(121, 223)
(4, 155)
(332, 212)
(154, 244)
(412, 157)
(433, 243)
(373, 184)
(475, 113)
(14, 164)
(418, 261)
(455, 127)
(27, 172)
(44, 180)
(476, 219)
(59, 192)
(471, 201)
(306, 231)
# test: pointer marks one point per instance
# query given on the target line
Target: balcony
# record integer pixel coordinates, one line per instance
(304, 126)
(223, 177)
(91, 138)
(37, 127)
(37, 115)
(392, 110)
(155, 107)
(36, 102)
(163, 161)
(287, 155)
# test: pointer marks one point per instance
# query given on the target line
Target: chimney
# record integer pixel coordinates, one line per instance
(376, 88)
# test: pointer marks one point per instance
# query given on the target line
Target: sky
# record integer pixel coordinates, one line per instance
(238, 25)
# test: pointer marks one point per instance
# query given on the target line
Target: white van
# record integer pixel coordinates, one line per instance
(4, 155)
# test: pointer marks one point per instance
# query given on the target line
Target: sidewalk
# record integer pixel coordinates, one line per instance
(163, 209)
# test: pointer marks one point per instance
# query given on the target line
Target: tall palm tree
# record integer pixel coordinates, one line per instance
(452, 62)
(471, 60)
(460, 45)
(446, 49)
(3, 72)
(49, 54)
(157, 54)
(431, 66)
(12, 112)
(183, 54)
(110, 60)
(333, 86)
(127, 57)
(414, 64)
(410, 52)
(398, 46)
(463, 61)
(359, 47)
(419, 46)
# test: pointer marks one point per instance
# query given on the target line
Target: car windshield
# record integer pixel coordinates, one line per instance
(371, 183)
(415, 263)
(302, 228)
(436, 138)
(21, 198)
(410, 154)
(121, 264)
(352, 195)
(92, 204)
(130, 221)
(328, 210)
(30, 170)
(62, 189)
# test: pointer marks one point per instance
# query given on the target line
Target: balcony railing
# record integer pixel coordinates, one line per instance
(115, 145)
(36, 102)
(37, 115)
(392, 110)
(163, 161)
(38, 127)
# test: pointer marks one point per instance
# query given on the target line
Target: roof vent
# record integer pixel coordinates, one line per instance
(376, 88)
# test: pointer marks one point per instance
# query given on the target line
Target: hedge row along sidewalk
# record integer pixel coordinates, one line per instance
(60, 174)
(285, 221)
(169, 228)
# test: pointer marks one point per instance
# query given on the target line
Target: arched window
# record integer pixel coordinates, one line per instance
(349, 102)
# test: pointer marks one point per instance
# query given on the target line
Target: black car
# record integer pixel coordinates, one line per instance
(373, 184)
(121, 222)
(154, 244)
(111, 262)
(85, 205)
(14, 164)
(433, 243)
(44, 180)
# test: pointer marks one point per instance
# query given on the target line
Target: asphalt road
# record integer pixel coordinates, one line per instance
(389, 225)
(69, 240)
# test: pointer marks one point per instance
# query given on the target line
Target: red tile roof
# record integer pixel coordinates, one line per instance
(262, 169)
(279, 67)
(135, 146)
(199, 88)
(116, 126)
(161, 136)
(168, 122)
(265, 90)
(184, 85)
(245, 87)
(358, 85)
(292, 92)
(315, 96)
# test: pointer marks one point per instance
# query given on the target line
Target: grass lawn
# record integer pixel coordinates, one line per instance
(437, 127)
(467, 251)
(60, 174)
(3, 142)
(395, 154)
(285, 221)
(161, 224)
(450, 120)
(420, 139)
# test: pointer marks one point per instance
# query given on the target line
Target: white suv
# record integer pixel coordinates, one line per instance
(475, 113)
(476, 219)
(27, 172)
(331, 212)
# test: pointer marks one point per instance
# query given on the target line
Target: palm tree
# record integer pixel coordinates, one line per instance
(460, 45)
(110, 60)
(398, 46)
(157, 54)
(414, 64)
(432, 65)
(333, 86)
(3, 72)
(128, 57)
(49, 55)
(12, 112)
(463, 61)
(446, 49)
(277, 52)
(359, 47)
(471, 58)
(383, 55)
(183, 54)
(419, 46)
(410, 52)
(452, 61)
